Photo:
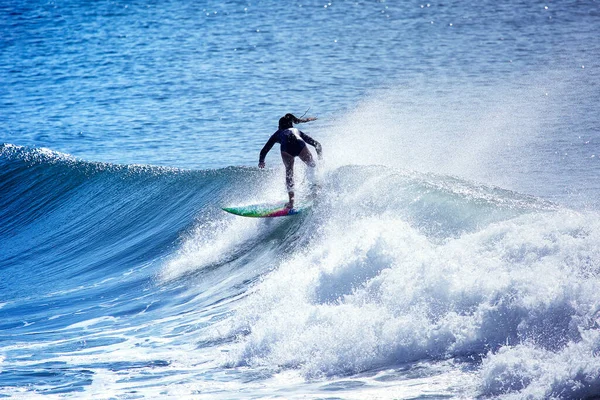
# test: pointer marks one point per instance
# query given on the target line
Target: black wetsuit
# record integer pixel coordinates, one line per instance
(292, 141)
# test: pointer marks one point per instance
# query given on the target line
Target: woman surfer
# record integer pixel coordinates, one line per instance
(293, 144)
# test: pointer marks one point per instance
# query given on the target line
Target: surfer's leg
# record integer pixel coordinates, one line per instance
(306, 156)
(288, 161)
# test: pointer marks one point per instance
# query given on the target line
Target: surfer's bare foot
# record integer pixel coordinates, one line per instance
(289, 204)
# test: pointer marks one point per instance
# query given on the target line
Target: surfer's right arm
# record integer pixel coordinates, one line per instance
(267, 147)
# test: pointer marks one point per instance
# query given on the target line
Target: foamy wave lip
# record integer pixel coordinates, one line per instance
(376, 293)
(34, 154)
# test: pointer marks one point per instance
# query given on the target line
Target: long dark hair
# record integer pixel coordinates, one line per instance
(288, 121)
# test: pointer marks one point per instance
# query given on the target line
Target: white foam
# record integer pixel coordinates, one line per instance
(91, 322)
(524, 371)
(375, 292)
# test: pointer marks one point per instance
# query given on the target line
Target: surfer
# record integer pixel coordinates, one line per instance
(293, 144)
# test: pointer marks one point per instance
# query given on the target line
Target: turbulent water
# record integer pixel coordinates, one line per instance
(452, 250)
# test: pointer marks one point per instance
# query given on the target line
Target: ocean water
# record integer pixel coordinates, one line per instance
(453, 250)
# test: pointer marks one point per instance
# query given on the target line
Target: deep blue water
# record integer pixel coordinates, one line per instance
(453, 250)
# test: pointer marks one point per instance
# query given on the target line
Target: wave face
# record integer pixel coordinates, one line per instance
(130, 281)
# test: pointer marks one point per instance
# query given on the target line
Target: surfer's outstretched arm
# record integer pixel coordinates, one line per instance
(267, 147)
(313, 143)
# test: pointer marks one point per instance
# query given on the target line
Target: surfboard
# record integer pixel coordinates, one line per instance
(266, 210)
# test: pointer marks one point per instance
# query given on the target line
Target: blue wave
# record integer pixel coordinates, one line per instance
(132, 269)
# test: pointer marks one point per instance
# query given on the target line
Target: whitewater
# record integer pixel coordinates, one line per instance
(452, 251)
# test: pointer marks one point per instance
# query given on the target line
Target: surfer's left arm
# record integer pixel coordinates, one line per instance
(267, 147)
(313, 143)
